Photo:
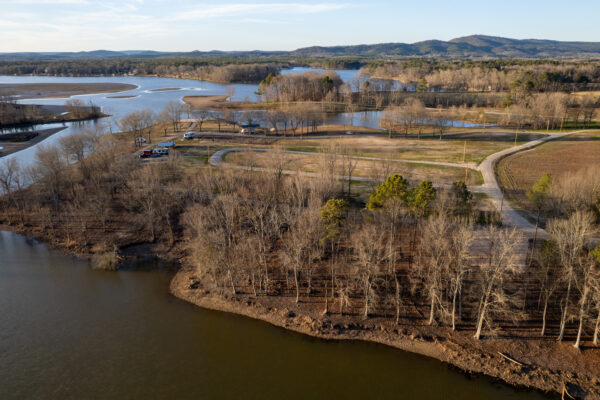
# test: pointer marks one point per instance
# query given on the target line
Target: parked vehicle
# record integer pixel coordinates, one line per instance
(245, 131)
(146, 153)
(140, 140)
(160, 151)
(189, 135)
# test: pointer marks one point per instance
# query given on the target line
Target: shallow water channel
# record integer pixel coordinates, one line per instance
(70, 332)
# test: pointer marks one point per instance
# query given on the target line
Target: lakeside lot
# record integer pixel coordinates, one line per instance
(563, 159)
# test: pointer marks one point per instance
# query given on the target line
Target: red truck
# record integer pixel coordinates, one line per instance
(146, 153)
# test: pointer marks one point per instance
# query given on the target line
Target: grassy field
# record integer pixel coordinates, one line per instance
(450, 149)
(364, 168)
(570, 154)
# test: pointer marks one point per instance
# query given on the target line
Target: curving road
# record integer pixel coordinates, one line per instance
(510, 216)
(491, 187)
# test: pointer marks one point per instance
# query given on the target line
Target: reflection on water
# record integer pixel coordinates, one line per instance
(70, 332)
(147, 95)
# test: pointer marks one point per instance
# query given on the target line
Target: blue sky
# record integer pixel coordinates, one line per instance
(185, 25)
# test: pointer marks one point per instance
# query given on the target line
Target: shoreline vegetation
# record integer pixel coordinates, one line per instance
(319, 260)
(14, 116)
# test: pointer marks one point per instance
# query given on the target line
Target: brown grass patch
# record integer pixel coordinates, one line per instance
(559, 158)
(364, 168)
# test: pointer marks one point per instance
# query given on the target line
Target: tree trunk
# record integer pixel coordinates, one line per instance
(544, 318)
(233, 291)
(367, 288)
(480, 320)
(580, 330)
(563, 319)
(296, 281)
(432, 310)
(326, 311)
(398, 300)
(454, 309)
(537, 224)
(597, 330)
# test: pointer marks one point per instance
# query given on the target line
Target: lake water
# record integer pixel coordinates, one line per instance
(70, 332)
(145, 96)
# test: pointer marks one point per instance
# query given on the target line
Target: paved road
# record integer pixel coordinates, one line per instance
(491, 187)
(510, 216)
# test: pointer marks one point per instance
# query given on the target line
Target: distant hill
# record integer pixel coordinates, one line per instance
(476, 46)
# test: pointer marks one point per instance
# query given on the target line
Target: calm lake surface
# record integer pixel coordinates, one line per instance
(70, 332)
(146, 96)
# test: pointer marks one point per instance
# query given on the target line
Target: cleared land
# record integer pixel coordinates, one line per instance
(364, 168)
(60, 90)
(449, 149)
(576, 152)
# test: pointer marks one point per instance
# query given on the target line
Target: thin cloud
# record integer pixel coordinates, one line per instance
(234, 10)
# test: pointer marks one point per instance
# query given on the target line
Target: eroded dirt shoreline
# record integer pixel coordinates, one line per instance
(512, 361)
(451, 348)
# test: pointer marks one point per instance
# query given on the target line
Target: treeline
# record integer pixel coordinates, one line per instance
(549, 110)
(309, 86)
(234, 73)
(491, 75)
(414, 255)
(15, 114)
(217, 70)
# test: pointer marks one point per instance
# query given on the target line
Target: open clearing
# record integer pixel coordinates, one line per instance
(449, 149)
(60, 90)
(364, 168)
(573, 153)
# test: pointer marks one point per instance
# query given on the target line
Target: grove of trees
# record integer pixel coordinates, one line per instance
(412, 253)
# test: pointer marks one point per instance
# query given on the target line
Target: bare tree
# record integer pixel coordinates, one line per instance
(11, 177)
(348, 164)
(570, 236)
(548, 276)
(431, 263)
(502, 257)
(588, 281)
(461, 240)
(370, 253)
(201, 117)
(173, 112)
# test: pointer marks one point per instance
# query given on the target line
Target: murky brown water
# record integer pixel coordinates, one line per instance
(70, 332)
